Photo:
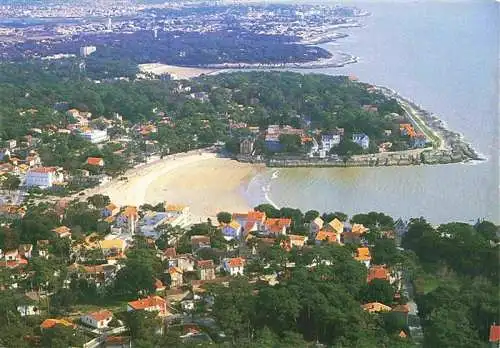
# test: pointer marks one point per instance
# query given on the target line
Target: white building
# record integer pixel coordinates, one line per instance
(361, 139)
(87, 50)
(43, 177)
(329, 141)
(95, 136)
(28, 310)
(234, 266)
(97, 320)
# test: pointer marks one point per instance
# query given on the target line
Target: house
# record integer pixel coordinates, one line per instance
(377, 272)
(29, 304)
(151, 304)
(361, 139)
(176, 209)
(494, 335)
(43, 248)
(176, 277)
(43, 177)
(315, 226)
(25, 250)
(251, 221)
(95, 161)
(234, 266)
(363, 255)
(130, 217)
(150, 222)
(4, 153)
(168, 254)
(376, 307)
(110, 210)
(113, 247)
(185, 262)
(97, 320)
(179, 214)
(11, 143)
(329, 141)
(98, 274)
(277, 226)
(419, 141)
(335, 226)
(51, 323)
(62, 232)
(328, 237)
(231, 230)
(206, 269)
(297, 241)
(198, 242)
(95, 136)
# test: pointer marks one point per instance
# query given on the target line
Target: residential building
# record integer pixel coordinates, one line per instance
(277, 226)
(179, 214)
(86, 51)
(231, 230)
(251, 221)
(97, 320)
(297, 241)
(335, 226)
(206, 269)
(176, 277)
(378, 272)
(376, 307)
(159, 286)
(246, 146)
(29, 304)
(95, 161)
(361, 139)
(327, 237)
(329, 141)
(95, 136)
(130, 217)
(150, 304)
(315, 226)
(234, 266)
(185, 262)
(363, 255)
(25, 250)
(198, 242)
(11, 144)
(62, 232)
(43, 177)
(419, 141)
(42, 246)
(110, 210)
(151, 221)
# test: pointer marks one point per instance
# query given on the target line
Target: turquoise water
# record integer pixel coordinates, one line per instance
(444, 56)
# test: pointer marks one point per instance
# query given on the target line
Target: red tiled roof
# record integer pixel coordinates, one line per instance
(100, 315)
(148, 302)
(377, 272)
(94, 161)
(50, 323)
(495, 333)
(329, 237)
(206, 264)
(43, 170)
(236, 262)
(277, 225)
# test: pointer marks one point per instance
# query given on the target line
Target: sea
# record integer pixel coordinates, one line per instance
(444, 56)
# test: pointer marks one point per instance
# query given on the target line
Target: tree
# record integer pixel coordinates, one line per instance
(143, 325)
(384, 251)
(291, 143)
(269, 209)
(137, 277)
(224, 217)
(310, 215)
(61, 336)
(378, 290)
(347, 147)
(487, 230)
(11, 183)
(99, 201)
(327, 217)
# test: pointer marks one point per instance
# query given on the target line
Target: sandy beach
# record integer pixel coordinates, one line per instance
(177, 72)
(206, 183)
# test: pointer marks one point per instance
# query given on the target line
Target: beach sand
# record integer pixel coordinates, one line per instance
(206, 183)
(177, 72)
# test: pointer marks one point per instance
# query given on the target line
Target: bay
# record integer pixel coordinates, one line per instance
(444, 56)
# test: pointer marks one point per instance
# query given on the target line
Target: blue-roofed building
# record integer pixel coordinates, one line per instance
(361, 139)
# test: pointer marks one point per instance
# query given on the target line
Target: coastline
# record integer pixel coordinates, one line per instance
(196, 179)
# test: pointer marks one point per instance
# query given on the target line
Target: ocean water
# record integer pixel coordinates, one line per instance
(444, 56)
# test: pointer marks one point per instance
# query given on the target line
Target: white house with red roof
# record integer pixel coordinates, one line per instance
(98, 320)
(150, 304)
(277, 226)
(43, 177)
(234, 266)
